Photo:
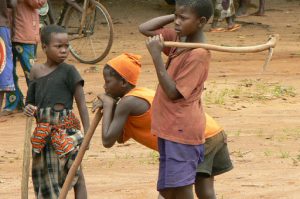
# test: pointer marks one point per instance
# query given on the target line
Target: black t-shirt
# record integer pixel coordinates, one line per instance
(57, 87)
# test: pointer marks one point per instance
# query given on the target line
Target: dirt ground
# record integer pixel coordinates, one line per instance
(259, 111)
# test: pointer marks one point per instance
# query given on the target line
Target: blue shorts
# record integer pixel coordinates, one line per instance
(178, 163)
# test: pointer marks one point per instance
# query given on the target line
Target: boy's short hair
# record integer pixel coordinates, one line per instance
(203, 8)
(48, 30)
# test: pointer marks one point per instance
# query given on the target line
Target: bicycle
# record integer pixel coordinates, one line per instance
(90, 29)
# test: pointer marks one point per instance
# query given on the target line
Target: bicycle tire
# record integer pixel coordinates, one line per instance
(90, 56)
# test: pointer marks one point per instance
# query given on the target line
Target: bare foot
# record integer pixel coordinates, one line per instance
(233, 28)
(258, 13)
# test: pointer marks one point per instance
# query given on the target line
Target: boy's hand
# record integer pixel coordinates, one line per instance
(106, 99)
(30, 110)
(97, 104)
(155, 45)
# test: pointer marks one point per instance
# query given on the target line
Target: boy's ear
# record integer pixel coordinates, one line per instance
(124, 83)
(44, 46)
(202, 22)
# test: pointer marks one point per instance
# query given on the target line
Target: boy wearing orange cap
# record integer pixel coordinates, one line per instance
(127, 113)
(126, 108)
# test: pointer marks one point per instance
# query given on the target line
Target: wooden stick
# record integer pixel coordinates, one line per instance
(79, 157)
(245, 49)
(26, 159)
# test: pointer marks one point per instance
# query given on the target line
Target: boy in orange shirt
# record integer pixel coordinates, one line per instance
(128, 110)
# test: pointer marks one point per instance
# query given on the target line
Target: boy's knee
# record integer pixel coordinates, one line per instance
(205, 193)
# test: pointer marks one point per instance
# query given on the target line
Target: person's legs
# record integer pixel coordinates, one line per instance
(27, 60)
(80, 188)
(204, 187)
(261, 8)
(177, 192)
(216, 162)
(13, 99)
(243, 8)
(25, 54)
(217, 14)
(230, 22)
(50, 13)
(184, 192)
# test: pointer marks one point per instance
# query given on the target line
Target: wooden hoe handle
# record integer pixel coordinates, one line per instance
(271, 43)
(26, 159)
(79, 157)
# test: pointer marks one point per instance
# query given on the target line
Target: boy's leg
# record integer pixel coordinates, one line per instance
(80, 188)
(178, 192)
(216, 161)
(204, 187)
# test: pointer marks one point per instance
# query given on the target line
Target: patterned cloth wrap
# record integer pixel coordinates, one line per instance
(60, 128)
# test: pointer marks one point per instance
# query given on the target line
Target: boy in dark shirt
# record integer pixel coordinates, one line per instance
(57, 136)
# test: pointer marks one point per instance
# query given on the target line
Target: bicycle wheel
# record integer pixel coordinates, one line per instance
(96, 38)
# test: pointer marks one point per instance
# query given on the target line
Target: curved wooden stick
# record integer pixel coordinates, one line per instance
(26, 159)
(245, 49)
(81, 152)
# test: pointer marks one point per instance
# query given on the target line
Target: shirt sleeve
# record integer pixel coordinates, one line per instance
(36, 4)
(168, 35)
(74, 78)
(193, 72)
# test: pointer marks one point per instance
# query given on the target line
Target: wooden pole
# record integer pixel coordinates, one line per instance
(79, 157)
(26, 159)
(243, 49)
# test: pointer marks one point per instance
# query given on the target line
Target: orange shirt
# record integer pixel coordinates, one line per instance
(139, 127)
(183, 120)
(212, 128)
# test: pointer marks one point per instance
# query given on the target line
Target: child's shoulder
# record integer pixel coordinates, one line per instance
(200, 52)
(35, 71)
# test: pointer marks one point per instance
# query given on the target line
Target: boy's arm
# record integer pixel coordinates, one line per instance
(114, 119)
(155, 46)
(81, 105)
(30, 109)
(149, 27)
